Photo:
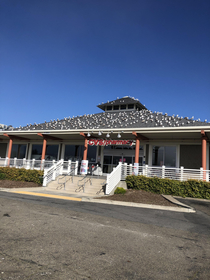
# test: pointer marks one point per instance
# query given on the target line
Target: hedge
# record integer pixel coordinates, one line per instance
(21, 174)
(190, 188)
(120, 191)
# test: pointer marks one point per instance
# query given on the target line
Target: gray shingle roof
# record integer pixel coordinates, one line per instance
(111, 120)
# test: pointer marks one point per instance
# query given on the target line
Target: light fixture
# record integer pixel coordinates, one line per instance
(118, 135)
(108, 135)
(88, 135)
(99, 133)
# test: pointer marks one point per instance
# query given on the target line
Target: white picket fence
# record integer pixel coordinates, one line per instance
(180, 174)
(27, 163)
(52, 169)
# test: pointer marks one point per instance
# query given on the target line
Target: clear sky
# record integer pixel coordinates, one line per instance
(61, 58)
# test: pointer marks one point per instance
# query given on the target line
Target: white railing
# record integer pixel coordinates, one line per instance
(70, 166)
(180, 174)
(59, 168)
(52, 169)
(27, 163)
(113, 178)
(53, 172)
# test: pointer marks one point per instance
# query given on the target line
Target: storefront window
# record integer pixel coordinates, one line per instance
(91, 154)
(170, 156)
(117, 159)
(51, 152)
(73, 152)
(18, 151)
(128, 160)
(107, 159)
(36, 152)
(164, 156)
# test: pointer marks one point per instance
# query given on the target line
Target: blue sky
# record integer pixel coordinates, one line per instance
(61, 58)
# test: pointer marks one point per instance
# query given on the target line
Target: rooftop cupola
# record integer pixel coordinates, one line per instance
(122, 104)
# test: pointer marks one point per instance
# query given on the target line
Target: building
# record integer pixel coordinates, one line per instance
(125, 131)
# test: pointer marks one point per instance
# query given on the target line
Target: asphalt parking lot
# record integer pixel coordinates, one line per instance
(43, 238)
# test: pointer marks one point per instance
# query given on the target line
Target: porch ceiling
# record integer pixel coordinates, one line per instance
(152, 134)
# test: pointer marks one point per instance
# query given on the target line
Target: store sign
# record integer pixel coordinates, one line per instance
(103, 142)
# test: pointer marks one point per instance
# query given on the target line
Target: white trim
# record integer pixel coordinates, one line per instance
(137, 129)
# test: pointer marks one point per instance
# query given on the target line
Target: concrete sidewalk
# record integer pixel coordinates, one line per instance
(82, 197)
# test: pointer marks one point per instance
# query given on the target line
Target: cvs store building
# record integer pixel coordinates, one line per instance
(125, 131)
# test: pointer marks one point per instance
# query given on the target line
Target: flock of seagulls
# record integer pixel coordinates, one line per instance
(111, 120)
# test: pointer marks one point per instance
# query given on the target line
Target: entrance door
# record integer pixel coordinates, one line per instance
(112, 161)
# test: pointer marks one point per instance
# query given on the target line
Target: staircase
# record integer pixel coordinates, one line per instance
(79, 185)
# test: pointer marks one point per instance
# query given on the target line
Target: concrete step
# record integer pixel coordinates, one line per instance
(76, 186)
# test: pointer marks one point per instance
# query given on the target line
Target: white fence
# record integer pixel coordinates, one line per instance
(27, 163)
(52, 169)
(59, 168)
(180, 174)
(113, 178)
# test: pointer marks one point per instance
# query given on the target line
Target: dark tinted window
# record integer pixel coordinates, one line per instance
(130, 106)
(18, 151)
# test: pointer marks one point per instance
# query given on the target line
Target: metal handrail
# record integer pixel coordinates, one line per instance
(103, 187)
(86, 178)
(71, 176)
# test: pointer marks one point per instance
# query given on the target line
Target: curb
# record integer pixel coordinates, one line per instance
(182, 207)
(174, 201)
(48, 195)
(193, 198)
(141, 205)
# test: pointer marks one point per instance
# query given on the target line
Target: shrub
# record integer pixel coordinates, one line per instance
(190, 188)
(16, 174)
(2, 176)
(120, 191)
